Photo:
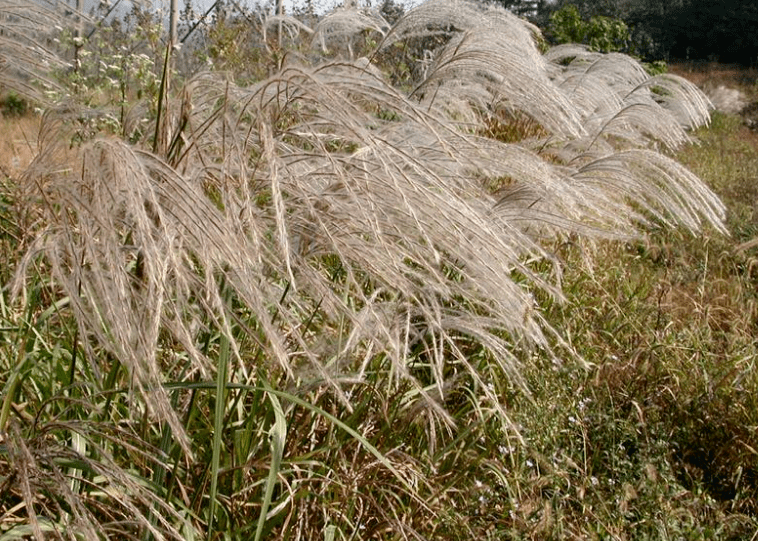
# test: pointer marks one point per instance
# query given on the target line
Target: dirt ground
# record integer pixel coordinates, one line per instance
(18, 142)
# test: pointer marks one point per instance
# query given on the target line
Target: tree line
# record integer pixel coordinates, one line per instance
(668, 29)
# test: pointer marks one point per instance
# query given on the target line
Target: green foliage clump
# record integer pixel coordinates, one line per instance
(114, 73)
(600, 33)
(236, 45)
(12, 104)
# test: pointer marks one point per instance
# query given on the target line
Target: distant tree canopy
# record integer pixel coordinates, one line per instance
(528, 9)
(668, 29)
(701, 29)
(600, 33)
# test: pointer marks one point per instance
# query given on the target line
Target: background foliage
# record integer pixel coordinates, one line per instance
(663, 30)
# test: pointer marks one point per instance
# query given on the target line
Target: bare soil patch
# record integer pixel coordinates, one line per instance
(18, 142)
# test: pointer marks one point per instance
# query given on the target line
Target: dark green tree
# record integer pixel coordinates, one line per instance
(697, 29)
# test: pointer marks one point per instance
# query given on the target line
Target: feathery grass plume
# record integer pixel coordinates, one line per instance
(121, 228)
(659, 185)
(339, 27)
(285, 25)
(102, 501)
(27, 56)
(511, 71)
(445, 17)
(489, 60)
(620, 104)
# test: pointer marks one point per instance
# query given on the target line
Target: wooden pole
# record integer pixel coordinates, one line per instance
(173, 24)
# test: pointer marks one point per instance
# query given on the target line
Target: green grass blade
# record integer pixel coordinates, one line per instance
(25, 531)
(278, 436)
(315, 409)
(218, 427)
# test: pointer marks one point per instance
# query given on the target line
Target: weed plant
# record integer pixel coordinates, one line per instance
(322, 306)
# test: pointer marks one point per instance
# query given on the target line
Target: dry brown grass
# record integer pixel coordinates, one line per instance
(713, 73)
(18, 144)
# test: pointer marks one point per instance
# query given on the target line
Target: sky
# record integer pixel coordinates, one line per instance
(201, 6)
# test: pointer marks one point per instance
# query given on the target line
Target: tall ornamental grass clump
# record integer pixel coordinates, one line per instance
(275, 312)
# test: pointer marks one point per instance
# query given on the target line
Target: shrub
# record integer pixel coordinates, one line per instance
(600, 33)
(14, 105)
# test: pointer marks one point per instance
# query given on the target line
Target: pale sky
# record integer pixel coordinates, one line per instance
(201, 6)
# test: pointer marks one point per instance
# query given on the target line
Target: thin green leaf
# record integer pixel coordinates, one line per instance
(278, 435)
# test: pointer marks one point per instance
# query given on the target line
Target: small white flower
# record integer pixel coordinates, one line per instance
(505, 449)
(594, 481)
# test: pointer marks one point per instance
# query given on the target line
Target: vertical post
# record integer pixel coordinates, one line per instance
(280, 12)
(173, 24)
(79, 22)
(78, 33)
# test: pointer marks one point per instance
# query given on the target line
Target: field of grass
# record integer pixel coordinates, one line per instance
(659, 435)
(365, 292)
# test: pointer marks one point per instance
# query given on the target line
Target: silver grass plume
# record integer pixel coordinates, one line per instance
(284, 25)
(353, 223)
(40, 470)
(27, 49)
(341, 25)
(399, 203)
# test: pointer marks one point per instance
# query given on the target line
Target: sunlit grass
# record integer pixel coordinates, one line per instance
(279, 314)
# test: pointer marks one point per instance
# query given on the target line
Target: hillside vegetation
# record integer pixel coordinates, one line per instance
(359, 280)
